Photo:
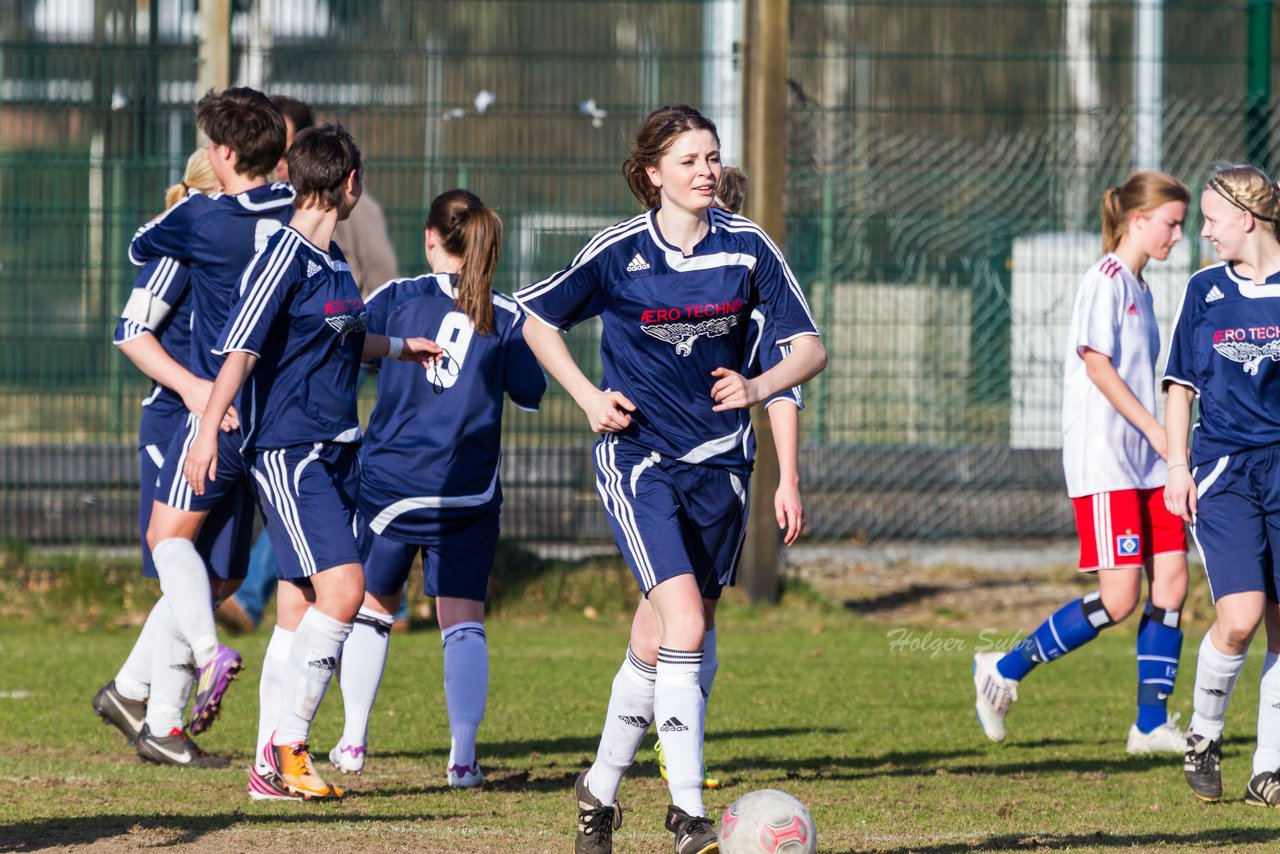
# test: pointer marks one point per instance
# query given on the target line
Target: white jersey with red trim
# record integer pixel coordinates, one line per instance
(1101, 451)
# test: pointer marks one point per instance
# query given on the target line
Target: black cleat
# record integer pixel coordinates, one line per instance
(596, 822)
(176, 748)
(1203, 767)
(695, 834)
(1263, 790)
(118, 710)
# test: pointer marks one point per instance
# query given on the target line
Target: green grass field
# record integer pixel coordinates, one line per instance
(878, 739)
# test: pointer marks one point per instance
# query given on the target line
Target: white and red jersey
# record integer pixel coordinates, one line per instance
(1101, 451)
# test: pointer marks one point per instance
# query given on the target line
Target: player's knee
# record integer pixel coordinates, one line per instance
(1096, 613)
(1236, 630)
(1119, 606)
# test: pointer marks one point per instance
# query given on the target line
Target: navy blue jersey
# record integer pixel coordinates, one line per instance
(670, 320)
(216, 237)
(160, 305)
(299, 311)
(432, 447)
(1225, 346)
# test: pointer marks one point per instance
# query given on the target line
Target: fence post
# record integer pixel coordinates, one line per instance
(215, 47)
(765, 147)
(1258, 82)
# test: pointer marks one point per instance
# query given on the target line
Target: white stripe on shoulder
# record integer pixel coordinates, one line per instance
(505, 302)
(594, 248)
(255, 301)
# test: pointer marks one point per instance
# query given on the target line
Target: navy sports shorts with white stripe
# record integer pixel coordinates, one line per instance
(669, 320)
(429, 462)
(1225, 346)
(160, 305)
(299, 311)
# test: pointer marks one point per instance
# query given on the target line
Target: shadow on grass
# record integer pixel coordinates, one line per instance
(178, 829)
(914, 593)
(1226, 837)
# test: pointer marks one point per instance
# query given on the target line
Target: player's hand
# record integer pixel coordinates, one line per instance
(789, 512)
(1156, 436)
(1180, 493)
(609, 411)
(424, 351)
(202, 461)
(733, 391)
(196, 397)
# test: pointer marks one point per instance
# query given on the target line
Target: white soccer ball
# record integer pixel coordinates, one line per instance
(767, 821)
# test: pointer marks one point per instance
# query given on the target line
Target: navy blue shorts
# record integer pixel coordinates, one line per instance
(308, 496)
(1237, 523)
(226, 536)
(172, 487)
(671, 518)
(457, 563)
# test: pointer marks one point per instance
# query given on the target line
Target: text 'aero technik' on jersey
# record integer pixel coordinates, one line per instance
(669, 320)
(1226, 346)
(216, 237)
(300, 311)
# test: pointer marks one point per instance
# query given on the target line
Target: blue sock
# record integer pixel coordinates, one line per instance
(1159, 648)
(1071, 627)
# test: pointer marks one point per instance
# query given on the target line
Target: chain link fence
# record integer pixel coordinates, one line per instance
(945, 161)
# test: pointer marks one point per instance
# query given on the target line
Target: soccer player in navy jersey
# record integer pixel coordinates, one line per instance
(215, 237)
(675, 287)
(294, 342)
(429, 470)
(1224, 352)
(151, 689)
(1113, 458)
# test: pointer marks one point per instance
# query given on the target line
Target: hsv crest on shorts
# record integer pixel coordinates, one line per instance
(1128, 544)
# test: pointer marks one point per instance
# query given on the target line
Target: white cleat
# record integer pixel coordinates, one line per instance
(462, 777)
(348, 758)
(994, 694)
(1166, 738)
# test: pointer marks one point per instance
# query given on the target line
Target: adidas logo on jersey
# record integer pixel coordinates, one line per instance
(1214, 295)
(312, 268)
(637, 264)
(634, 720)
(673, 724)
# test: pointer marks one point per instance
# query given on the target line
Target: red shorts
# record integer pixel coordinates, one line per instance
(1126, 528)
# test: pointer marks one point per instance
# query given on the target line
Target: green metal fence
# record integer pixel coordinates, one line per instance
(945, 158)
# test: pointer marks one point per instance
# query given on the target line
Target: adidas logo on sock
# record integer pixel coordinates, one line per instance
(326, 663)
(1214, 692)
(634, 720)
(1214, 294)
(672, 724)
(312, 268)
(637, 264)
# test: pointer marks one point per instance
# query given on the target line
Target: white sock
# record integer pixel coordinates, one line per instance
(185, 582)
(628, 719)
(678, 709)
(466, 685)
(134, 679)
(364, 657)
(313, 656)
(1216, 676)
(274, 665)
(172, 672)
(1267, 756)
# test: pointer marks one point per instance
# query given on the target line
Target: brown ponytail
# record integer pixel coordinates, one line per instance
(1141, 191)
(471, 232)
(659, 131)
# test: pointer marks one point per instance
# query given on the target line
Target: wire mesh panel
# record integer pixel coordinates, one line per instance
(945, 162)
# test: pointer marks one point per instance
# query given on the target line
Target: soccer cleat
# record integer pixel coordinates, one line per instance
(212, 683)
(348, 758)
(462, 777)
(176, 748)
(292, 762)
(124, 714)
(1203, 767)
(994, 694)
(596, 822)
(695, 834)
(267, 787)
(1166, 738)
(709, 781)
(1263, 790)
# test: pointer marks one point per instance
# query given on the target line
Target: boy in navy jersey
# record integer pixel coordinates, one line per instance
(429, 470)
(215, 237)
(675, 288)
(294, 342)
(153, 685)
(1225, 351)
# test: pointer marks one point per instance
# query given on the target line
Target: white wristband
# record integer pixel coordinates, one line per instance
(396, 348)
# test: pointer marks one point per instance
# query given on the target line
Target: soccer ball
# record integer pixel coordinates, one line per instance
(767, 822)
